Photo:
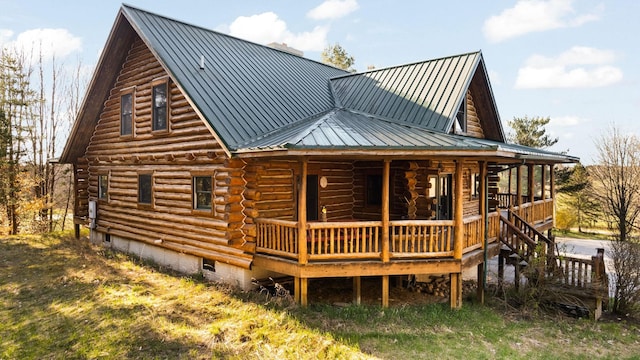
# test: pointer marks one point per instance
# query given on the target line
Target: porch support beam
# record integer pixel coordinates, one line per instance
(386, 171)
(357, 290)
(385, 291)
(519, 185)
(530, 178)
(302, 215)
(482, 267)
(456, 278)
(543, 190)
(300, 291)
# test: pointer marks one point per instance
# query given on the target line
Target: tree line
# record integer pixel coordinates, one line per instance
(39, 99)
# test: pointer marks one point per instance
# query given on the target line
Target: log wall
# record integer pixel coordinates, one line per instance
(474, 129)
(172, 157)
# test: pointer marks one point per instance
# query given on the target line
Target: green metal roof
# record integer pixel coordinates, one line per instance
(426, 94)
(244, 89)
(255, 97)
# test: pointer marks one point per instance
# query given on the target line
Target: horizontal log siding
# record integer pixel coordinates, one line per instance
(173, 157)
(272, 187)
(474, 128)
(338, 195)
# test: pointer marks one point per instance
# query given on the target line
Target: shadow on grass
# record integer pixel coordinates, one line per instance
(54, 296)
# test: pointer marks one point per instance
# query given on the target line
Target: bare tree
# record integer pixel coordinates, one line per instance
(618, 172)
(16, 98)
(617, 186)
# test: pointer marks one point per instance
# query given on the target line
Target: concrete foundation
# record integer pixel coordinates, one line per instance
(184, 263)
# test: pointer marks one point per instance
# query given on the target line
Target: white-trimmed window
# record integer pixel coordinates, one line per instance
(126, 114)
(160, 107)
(103, 186)
(203, 193)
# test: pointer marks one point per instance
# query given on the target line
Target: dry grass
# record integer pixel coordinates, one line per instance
(62, 298)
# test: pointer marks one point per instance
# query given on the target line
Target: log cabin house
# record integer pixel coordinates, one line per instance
(212, 154)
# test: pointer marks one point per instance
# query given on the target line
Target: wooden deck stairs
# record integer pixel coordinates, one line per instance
(581, 284)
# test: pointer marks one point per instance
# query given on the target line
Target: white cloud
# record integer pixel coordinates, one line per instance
(534, 16)
(5, 35)
(333, 9)
(58, 42)
(495, 78)
(564, 121)
(268, 27)
(578, 67)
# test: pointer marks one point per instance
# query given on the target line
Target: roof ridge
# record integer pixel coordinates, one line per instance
(391, 67)
(130, 7)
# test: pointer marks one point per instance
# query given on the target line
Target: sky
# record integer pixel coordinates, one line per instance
(571, 61)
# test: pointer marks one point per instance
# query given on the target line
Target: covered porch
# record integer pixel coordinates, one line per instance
(414, 233)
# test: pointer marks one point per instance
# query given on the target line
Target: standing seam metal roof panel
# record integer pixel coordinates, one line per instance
(423, 93)
(231, 93)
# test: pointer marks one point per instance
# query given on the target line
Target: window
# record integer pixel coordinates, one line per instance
(475, 185)
(202, 191)
(461, 118)
(159, 107)
(103, 187)
(374, 190)
(144, 189)
(126, 114)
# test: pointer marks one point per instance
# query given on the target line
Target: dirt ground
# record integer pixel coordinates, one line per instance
(339, 291)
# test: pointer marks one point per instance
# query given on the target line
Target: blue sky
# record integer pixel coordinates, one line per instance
(574, 61)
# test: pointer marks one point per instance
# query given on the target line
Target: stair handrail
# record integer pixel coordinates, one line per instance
(550, 243)
(521, 235)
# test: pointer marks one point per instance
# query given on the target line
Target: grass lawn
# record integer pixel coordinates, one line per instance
(62, 298)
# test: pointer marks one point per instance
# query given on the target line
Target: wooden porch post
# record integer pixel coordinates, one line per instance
(302, 215)
(482, 267)
(385, 209)
(530, 179)
(543, 191)
(519, 185)
(456, 278)
(357, 290)
(386, 171)
(300, 291)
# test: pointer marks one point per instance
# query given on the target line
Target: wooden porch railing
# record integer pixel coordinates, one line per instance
(277, 237)
(536, 212)
(581, 273)
(421, 238)
(473, 234)
(344, 240)
(506, 200)
(361, 240)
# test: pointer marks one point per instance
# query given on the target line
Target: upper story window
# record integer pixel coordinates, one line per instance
(461, 118)
(159, 99)
(126, 114)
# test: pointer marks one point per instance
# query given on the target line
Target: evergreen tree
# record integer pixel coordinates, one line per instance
(531, 132)
(337, 56)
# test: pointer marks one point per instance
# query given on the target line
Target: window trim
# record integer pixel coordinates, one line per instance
(154, 84)
(203, 211)
(104, 198)
(151, 202)
(128, 92)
